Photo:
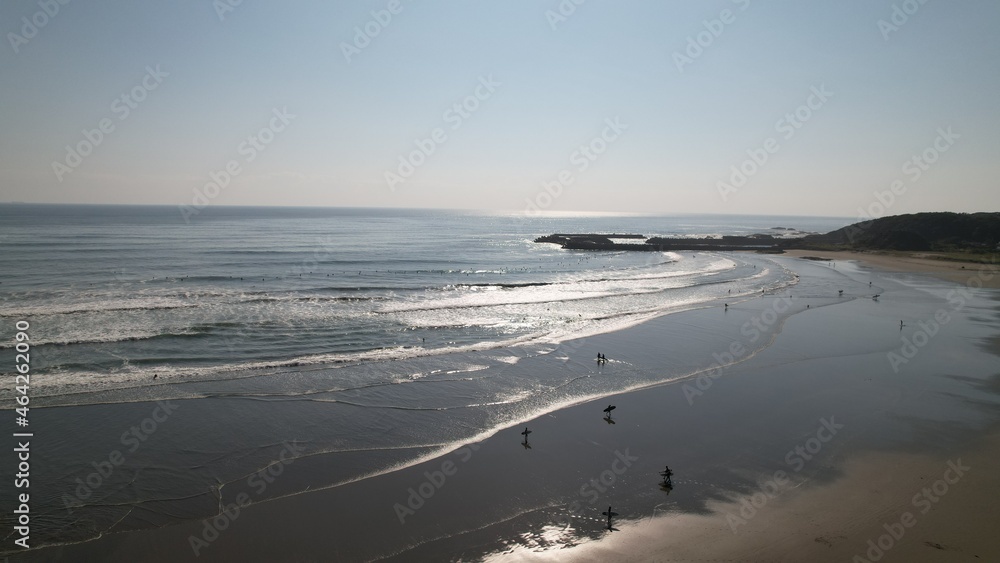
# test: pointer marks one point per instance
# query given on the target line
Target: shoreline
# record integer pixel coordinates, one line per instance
(946, 269)
(738, 395)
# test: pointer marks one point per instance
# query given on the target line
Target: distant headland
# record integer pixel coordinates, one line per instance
(975, 233)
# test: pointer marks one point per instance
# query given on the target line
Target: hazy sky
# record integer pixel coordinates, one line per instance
(324, 103)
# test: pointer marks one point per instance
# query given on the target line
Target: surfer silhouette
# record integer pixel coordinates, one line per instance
(607, 414)
(667, 474)
(609, 514)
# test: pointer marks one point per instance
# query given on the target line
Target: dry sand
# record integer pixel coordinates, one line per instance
(917, 263)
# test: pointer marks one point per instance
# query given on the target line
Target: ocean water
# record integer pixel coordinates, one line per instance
(115, 295)
(368, 338)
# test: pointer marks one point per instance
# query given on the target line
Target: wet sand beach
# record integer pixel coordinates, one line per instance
(889, 499)
(929, 263)
(807, 442)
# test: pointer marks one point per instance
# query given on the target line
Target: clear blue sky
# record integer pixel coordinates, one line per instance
(555, 83)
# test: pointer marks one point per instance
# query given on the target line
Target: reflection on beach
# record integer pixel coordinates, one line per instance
(547, 540)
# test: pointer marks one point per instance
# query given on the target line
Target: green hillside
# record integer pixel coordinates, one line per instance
(941, 232)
